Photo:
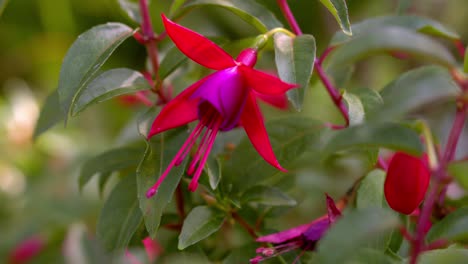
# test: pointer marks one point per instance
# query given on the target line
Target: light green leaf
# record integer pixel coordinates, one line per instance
(109, 161)
(84, 58)
(267, 195)
(250, 11)
(175, 6)
(290, 137)
(409, 22)
(459, 170)
(214, 170)
(371, 100)
(3, 4)
(339, 10)
(370, 191)
(201, 222)
(120, 216)
(355, 108)
(413, 90)
(386, 135)
(50, 114)
(294, 59)
(391, 39)
(132, 9)
(160, 150)
(448, 255)
(453, 227)
(110, 84)
(353, 231)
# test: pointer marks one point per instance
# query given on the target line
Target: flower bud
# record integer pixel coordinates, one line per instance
(406, 182)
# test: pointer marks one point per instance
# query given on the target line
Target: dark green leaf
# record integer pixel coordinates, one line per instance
(370, 191)
(173, 59)
(410, 22)
(459, 170)
(294, 59)
(110, 84)
(84, 58)
(387, 135)
(132, 9)
(248, 10)
(120, 216)
(414, 89)
(353, 231)
(452, 227)
(201, 222)
(355, 108)
(339, 10)
(109, 161)
(290, 137)
(160, 151)
(370, 99)
(448, 255)
(3, 4)
(103, 178)
(367, 255)
(266, 195)
(391, 39)
(50, 114)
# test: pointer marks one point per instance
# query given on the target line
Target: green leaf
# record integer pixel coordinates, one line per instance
(201, 222)
(160, 150)
(294, 59)
(453, 227)
(49, 116)
(214, 170)
(175, 6)
(409, 22)
(370, 191)
(368, 255)
(84, 58)
(103, 178)
(109, 161)
(387, 135)
(391, 39)
(459, 170)
(353, 231)
(267, 195)
(339, 10)
(120, 216)
(370, 99)
(290, 137)
(108, 85)
(132, 9)
(355, 108)
(173, 59)
(448, 255)
(413, 90)
(465, 68)
(250, 11)
(3, 4)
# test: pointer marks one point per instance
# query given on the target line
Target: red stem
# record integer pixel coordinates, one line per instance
(244, 224)
(180, 202)
(460, 47)
(332, 91)
(439, 177)
(151, 48)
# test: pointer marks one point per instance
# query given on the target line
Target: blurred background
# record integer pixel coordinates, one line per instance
(39, 196)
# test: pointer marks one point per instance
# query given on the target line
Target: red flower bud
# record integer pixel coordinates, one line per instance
(406, 183)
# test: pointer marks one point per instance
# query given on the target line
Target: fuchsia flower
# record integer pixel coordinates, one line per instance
(304, 237)
(27, 250)
(221, 101)
(406, 182)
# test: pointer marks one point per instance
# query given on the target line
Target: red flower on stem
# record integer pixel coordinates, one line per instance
(221, 101)
(406, 182)
(25, 251)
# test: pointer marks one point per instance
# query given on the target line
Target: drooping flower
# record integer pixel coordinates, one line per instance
(221, 101)
(406, 182)
(303, 237)
(25, 251)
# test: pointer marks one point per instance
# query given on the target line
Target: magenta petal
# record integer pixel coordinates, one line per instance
(179, 111)
(197, 47)
(316, 230)
(265, 83)
(285, 235)
(225, 91)
(333, 211)
(252, 121)
(279, 101)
